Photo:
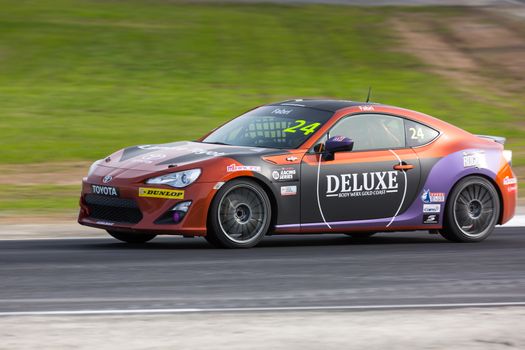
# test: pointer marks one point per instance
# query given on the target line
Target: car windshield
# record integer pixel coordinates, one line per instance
(271, 127)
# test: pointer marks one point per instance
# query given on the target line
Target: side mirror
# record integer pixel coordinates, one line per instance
(339, 144)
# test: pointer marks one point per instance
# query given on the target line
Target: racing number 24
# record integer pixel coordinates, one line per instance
(416, 134)
(306, 129)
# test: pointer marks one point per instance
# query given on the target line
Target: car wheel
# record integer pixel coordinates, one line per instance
(472, 211)
(360, 234)
(239, 215)
(132, 237)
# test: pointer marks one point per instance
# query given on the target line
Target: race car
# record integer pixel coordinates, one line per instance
(306, 166)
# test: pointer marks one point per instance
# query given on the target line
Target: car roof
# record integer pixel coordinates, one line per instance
(333, 106)
(324, 105)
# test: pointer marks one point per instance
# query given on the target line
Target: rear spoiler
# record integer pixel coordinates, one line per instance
(497, 139)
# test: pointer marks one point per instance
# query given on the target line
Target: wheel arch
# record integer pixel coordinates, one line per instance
(491, 180)
(266, 188)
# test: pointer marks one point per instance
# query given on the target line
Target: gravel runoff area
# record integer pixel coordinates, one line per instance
(471, 328)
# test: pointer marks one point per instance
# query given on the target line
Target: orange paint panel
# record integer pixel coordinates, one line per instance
(508, 186)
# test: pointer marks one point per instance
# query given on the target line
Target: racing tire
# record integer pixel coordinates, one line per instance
(360, 235)
(472, 211)
(239, 216)
(133, 238)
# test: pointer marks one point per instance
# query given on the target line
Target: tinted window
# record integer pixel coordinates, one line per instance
(271, 126)
(372, 131)
(418, 134)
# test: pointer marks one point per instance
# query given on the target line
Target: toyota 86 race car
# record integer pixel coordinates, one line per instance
(306, 166)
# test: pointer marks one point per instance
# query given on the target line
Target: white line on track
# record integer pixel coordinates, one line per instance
(259, 309)
(516, 221)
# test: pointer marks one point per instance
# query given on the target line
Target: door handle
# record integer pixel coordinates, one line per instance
(403, 166)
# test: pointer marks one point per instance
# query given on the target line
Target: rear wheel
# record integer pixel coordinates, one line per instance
(472, 211)
(239, 215)
(132, 237)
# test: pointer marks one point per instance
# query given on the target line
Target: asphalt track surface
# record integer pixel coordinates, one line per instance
(283, 272)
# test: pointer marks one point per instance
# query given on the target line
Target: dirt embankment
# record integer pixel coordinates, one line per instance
(56, 173)
(482, 48)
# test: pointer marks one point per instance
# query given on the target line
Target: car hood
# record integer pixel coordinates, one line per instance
(159, 157)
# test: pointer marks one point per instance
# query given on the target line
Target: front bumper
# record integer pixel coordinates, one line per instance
(130, 212)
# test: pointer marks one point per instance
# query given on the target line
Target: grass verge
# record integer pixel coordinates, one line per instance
(79, 80)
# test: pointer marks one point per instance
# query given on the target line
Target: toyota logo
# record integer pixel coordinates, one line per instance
(107, 179)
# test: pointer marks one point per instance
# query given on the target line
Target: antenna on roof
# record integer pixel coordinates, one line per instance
(368, 96)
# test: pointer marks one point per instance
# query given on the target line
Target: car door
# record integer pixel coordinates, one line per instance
(377, 179)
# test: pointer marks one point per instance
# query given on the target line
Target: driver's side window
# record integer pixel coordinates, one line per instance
(371, 131)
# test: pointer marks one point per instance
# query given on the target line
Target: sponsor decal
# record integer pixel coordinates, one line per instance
(107, 223)
(288, 190)
(281, 111)
(234, 167)
(431, 218)
(160, 193)
(284, 174)
(107, 179)
(292, 159)
(104, 190)
(474, 159)
(366, 108)
(431, 208)
(150, 158)
(362, 184)
(432, 197)
(510, 181)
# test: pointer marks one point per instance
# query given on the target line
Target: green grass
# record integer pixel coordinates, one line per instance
(37, 199)
(81, 79)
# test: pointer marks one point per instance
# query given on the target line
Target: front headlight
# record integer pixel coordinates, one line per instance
(93, 167)
(179, 179)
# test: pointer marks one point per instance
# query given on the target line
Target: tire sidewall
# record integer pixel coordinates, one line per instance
(214, 227)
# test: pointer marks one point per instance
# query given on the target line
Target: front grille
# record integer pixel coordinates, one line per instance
(113, 209)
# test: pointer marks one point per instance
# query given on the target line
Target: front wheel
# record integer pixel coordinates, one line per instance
(472, 210)
(131, 237)
(239, 216)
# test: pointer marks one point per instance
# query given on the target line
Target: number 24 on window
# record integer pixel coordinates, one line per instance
(416, 134)
(300, 125)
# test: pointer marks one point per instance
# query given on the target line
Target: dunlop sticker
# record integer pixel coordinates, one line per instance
(160, 193)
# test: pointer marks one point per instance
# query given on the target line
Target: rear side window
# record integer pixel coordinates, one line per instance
(418, 134)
